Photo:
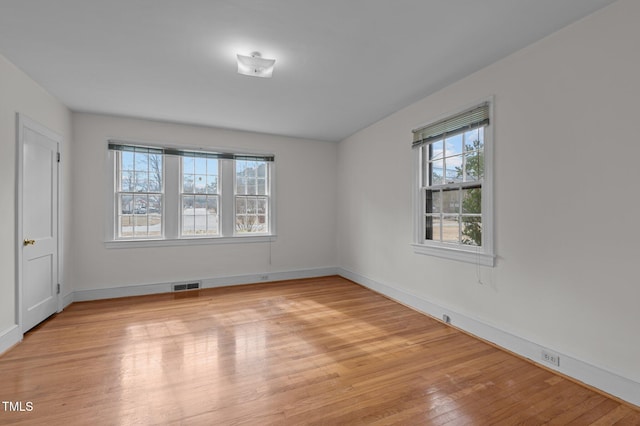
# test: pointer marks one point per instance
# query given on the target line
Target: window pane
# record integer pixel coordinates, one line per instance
(262, 186)
(437, 172)
(154, 185)
(142, 182)
(141, 162)
(241, 205)
(155, 224)
(212, 166)
(450, 229)
(126, 204)
(140, 204)
(433, 200)
(188, 213)
(200, 166)
(474, 166)
(433, 228)
(126, 161)
(262, 169)
(212, 184)
(453, 145)
(140, 227)
(252, 186)
(474, 139)
(251, 205)
(454, 171)
(241, 185)
(188, 165)
(262, 206)
(187, 184)
(472, 200)
(200, 214)
(155, 167)
(155, 204)
(127, 181)
(428, 228)
(472, 230)
(200, 183)
(125, 226)
(451, 201)
(436, 150)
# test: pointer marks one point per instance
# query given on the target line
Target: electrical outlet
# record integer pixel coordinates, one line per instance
(264, 277)
(551, 358)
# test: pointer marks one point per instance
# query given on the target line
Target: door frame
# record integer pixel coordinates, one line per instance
(23, 121)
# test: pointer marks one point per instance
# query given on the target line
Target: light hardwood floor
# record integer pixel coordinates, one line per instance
(313, 351)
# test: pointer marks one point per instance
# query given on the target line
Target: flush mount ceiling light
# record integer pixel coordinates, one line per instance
(255, 65)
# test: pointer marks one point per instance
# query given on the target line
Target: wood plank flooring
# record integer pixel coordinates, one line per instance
(314, 351)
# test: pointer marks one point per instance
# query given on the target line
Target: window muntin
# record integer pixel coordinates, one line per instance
(251, 192)
(453, 173)
(139, 193)
(199, 197)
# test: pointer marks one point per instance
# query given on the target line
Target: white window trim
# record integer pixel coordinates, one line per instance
(171, 208)
(233, 196)
(484, 255)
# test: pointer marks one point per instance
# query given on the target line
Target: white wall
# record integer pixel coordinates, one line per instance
(20, 94)
(305, 197)
(566, 196)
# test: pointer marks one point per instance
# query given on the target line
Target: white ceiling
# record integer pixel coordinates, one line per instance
(340, 64)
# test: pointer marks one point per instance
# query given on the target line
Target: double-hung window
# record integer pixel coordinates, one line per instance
(453, 219)
(251, 196)
(199, 195)
(139, 192)
(180, 195)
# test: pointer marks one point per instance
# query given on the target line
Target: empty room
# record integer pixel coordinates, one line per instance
(304, 212)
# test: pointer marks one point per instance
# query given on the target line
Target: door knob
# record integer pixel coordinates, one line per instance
(29, 242)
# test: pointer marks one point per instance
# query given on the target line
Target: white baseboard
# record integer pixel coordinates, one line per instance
(10, 337)
(139, 290)
(607, 381)
(67, 300)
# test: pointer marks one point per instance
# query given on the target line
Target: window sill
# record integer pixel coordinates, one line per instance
(118, 244)
(453, 253)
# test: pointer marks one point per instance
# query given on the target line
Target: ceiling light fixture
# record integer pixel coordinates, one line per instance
(255, 65)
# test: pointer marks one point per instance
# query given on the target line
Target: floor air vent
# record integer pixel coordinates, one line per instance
(186, 286)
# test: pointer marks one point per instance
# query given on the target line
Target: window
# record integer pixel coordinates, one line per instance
(139, 190)
(169, 194)
(251, 196)
(199, 195)
(454, 187)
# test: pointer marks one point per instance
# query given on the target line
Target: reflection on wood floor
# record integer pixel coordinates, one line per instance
(312, 351)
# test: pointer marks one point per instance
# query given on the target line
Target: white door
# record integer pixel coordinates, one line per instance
(39, 243)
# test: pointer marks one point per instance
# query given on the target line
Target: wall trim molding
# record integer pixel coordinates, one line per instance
(591, 375)
(155, 288)
(10, 337)
(66, 300)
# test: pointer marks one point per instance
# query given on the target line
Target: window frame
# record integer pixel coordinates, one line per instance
(119, 192)
(172, 196)
(182, 194)
(266, 196)
(480, 255)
